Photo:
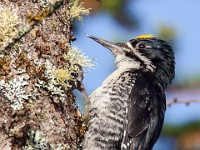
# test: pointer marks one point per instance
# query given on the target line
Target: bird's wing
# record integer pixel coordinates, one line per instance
(145, 115)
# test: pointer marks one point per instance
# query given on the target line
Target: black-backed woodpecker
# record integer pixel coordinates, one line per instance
(127, 110)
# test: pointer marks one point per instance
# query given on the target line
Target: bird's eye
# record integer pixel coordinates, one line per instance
(142, 46)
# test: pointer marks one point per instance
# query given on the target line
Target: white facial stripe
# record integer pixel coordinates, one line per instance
(146, 61)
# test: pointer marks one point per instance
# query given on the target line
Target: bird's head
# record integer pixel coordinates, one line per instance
(148, 53)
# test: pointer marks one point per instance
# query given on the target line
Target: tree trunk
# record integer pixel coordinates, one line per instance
(36, 112)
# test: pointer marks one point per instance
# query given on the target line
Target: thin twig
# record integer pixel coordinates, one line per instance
(84, 93)
(186, 102)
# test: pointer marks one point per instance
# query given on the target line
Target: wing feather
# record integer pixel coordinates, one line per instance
(145, 115)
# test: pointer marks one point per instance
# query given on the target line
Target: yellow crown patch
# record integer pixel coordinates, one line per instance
(144, 36)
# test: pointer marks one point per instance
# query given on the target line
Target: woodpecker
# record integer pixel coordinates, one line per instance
(127, 111)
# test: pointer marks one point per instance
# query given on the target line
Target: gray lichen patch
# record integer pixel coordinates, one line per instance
(37, 141)
(14, 91)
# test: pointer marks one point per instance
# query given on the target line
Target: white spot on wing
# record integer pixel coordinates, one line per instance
(124, 146)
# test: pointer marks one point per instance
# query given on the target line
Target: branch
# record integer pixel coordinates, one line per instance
(34, 20)
(186, 102)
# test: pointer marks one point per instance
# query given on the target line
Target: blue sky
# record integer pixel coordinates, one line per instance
(182, 15)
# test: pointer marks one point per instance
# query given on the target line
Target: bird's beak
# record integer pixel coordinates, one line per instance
(113, 47)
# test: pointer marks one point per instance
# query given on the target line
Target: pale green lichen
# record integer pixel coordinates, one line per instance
(75, 62)
(9, 21)
(14, 91)
(62, 76)
(52, 84)
(75, 56)
(77, 10)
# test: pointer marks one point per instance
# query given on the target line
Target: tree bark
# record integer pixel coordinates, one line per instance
(35, 115)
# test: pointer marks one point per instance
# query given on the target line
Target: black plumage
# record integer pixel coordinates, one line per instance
(145, 114)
